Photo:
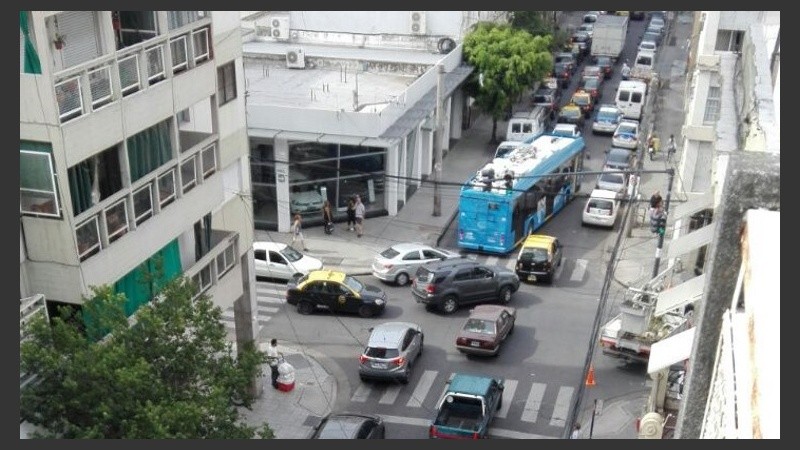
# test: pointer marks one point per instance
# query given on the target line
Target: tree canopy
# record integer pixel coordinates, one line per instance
(507, 61)
(172, 374)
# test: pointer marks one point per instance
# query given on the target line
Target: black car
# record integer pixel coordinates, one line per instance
(606, 64)
(349, 426)
(336, 292)
(566, 57)
(448, 284)
(583, 40)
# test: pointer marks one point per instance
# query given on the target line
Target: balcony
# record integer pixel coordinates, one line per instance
(217, 262)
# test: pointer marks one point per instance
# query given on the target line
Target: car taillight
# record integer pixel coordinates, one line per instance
(475, 435)
(388, 266)
(431, 431)
(362, 359)
(399, 361)
(461, 341)
(430, 288)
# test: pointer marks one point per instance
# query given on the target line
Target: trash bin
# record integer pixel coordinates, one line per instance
(285, 376)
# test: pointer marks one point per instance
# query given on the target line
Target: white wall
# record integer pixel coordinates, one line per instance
(375, 22)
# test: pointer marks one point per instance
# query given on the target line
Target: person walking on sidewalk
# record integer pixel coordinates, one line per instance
(273, 358)
(327, 217)
(360, 210)
(297, 231)
(671, 148)
(351, 214)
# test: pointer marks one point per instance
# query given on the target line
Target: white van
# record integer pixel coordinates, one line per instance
(630, 98)
(601, 209)
(527, 124)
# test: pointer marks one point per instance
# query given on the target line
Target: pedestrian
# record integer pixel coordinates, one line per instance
(360, 210)
(273, 358)
(327, 217)
(655, 199)
(626, 70)
(297, 231)
(576, 431)
(351, 214)
(671, 148)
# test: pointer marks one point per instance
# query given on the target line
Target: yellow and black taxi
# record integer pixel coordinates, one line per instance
(571, 113)
(334, 291)
(538, 258)
(584, 100)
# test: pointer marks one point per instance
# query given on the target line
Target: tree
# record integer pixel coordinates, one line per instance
(507, 61)
(172, 374)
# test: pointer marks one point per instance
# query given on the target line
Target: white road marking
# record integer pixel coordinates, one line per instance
(510, 263)
(561, 408)
(508, 395)
(390, 395)
(580, 270)
(534, 402)
(361, 394)
(423, 386)
(268, 309)
(492, 260)
(559, 269)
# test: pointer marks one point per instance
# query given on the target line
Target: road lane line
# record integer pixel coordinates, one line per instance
(508, 395)
(421, 390)
(390, 395)
(361, 394)
(580, 270)
(531, 411)
(561, 408)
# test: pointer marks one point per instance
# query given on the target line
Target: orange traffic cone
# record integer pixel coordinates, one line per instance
(590, 376)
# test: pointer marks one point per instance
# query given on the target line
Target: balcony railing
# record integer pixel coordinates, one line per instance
(219, 260)
(87, 87)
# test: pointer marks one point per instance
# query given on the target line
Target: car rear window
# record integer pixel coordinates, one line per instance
(541, 99)
(424, 275)
(533, 254)
(383, 353)
(389, 253)
(601, 204)
(480, 326)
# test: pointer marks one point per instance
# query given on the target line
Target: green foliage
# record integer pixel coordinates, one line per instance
(537, 23)
(510, 61)
(170, 375)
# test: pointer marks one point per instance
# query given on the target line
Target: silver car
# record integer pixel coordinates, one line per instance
(399, 262)
(392, 350)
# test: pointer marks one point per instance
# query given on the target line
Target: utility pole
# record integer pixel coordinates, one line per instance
(671, 174)
(437, 143)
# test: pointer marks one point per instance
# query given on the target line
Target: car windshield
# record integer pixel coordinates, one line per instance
(603, 61)
(389, 253)
(381, 352)
(481, 326)
(626, 129)
(503, 151)
(353, 284)
(607, 115)
(533, 255)
(618, 157)
(591, 83)
(580, 100)
(614, 178)
(291, 254)
(541, 99)
(564, 58)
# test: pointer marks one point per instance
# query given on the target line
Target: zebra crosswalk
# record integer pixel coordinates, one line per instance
(269, 298)
(523, 400)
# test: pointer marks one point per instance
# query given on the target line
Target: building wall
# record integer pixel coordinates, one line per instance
(446, 23)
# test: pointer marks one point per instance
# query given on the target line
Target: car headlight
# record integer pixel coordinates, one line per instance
(380, 302)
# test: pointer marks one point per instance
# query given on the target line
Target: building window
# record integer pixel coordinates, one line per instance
(188, 175)
(166, 188)
(202, 51)
(226, 83)
(711, 114)
(117, 220)
(177, 48)
(88, 236)
(94, 179)
(177, 19)
(149, 149)
(203, 279)
(37, 180)
(225, 260)
(729, 41)
(209, 161)
(143, 204)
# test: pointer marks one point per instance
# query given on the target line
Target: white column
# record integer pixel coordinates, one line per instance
(402, 160)
(456, 113)
(393, 155)
(281, 147)
(446, 123)
(426, 147)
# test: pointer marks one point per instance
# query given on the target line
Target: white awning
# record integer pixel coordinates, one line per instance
(680, 295)
(340, 139)
(298, 136)
(262, 133)
(671, 350)
(696, 202)
(691, 241)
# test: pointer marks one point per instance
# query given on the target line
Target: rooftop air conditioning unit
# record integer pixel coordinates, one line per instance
(418, 22)
(280, 27)
(295, 59)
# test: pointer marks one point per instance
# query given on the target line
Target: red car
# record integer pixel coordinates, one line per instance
(485, 329)
(592, 86)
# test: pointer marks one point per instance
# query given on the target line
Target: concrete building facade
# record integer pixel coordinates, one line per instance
(134, 161)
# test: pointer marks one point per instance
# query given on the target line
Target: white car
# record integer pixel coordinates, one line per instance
(276, 260)
(626, 135)
(399, 262)
(566, 130)
(305, 202)
(601, 209)
(607, 119)
(648, 46)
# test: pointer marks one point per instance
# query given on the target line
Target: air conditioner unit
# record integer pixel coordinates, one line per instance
(418, 22)
(280, 27)
(296, 59)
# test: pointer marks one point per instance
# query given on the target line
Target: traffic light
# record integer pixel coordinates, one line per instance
(658, 221)
(662, 225)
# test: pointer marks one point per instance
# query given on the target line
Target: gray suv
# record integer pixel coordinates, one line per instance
(392, 350)
(447, 285)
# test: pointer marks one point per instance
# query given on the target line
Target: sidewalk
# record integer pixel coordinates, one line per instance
(292, 415)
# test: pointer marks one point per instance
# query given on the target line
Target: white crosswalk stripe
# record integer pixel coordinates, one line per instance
(561, 408)
(508, 394)
(579, 271)
(492, 260)
(390, 394)
(531, 411)
(576, 271)
(361, 393)
(421, 390)
(269, 297)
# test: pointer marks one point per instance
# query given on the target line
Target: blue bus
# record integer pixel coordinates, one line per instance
(509, 198)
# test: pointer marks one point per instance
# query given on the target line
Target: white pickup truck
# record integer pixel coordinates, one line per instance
(644, 66)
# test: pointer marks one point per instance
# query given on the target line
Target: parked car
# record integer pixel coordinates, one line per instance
(336, 292)
(591, 17)
(571, 114)
(538, 258)
(606, 64)
(637, 15)
(486, 328)
(652, 36)
(566, 130)
(449, 284)
(647, 46)
(611, 181)
(607, 119)
(602, 209)
(349, 426)
(587, 28)
(619, 159)
(399, 262)
(626, 135)
(276, 260)
(592, 86)
(392, 351)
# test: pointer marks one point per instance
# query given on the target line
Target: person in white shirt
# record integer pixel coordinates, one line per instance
(273, 355)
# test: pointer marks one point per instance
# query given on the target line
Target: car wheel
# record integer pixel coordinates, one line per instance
(305, 308)
(366, 311)
(401, 279)
(450, 304)
(500, 402)
(421, 344)
(505, 294)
